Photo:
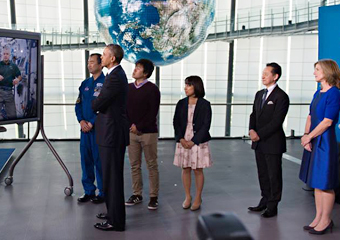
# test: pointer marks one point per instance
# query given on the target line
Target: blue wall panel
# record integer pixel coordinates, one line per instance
(329, 37)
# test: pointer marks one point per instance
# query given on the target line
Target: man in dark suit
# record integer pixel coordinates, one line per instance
(268, 139)
(112, 137)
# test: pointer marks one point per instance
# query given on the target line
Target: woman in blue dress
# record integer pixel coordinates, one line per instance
(319, 168)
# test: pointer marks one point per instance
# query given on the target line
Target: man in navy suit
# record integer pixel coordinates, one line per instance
(112, 137)
(268, 139)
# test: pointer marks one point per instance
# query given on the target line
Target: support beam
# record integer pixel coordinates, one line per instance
(157, 81)
(13, 15)
(232, 15)
(21, 130)
(157, 77)
(86, 31)
(86, 19)
(229, 88)
(230, 71)
(87, 72)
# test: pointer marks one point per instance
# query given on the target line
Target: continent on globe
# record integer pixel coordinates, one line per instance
(164, 31)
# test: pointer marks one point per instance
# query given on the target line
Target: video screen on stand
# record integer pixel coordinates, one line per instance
(19, 76)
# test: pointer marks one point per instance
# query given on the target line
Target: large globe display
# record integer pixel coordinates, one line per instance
(164, 31)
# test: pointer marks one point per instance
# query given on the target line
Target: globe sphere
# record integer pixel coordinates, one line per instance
(164, 31)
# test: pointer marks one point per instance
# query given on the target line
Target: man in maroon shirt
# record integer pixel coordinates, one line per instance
(142, 108)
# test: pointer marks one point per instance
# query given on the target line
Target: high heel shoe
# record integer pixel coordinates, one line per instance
(307, 228)
(195, 207)
(186, 206)
(330, 227)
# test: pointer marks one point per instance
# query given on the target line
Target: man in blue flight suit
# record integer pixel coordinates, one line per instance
(90, 162)
(10, 76)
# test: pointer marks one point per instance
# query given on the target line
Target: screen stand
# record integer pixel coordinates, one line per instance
(9, 180)
(40, 128)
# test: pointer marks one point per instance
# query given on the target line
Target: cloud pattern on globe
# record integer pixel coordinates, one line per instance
(164, 31)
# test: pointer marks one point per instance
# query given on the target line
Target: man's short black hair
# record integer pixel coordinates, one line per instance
(148, 66)
(276, 69)
(98, 55)
(116, 51)
(197, 82)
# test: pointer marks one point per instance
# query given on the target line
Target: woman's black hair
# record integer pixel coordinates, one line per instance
(197, 82)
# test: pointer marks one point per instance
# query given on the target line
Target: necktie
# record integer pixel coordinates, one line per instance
(264, 97)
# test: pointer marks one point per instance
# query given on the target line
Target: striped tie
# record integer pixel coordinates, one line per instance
(264, 97)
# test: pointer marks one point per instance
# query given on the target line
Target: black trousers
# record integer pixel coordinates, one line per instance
(112, 160)
(269, 169)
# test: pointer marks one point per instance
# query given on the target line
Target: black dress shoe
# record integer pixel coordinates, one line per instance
(85, 198)
(258, 208)
(97, 200)
(101, 215)
(269, 213)
(105, 226)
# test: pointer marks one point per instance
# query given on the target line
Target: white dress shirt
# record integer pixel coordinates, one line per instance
(111, 69)
(270, 89)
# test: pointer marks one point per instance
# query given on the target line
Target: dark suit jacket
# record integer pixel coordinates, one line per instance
(111, 123)
(201, 120)
(267, 122)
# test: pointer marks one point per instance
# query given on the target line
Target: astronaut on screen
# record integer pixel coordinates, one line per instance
(17, 79)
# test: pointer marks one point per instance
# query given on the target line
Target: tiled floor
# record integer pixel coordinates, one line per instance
(35, 207)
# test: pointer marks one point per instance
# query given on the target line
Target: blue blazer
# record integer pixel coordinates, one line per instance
(201, 120)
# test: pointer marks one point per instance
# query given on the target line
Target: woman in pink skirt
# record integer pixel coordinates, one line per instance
(192, 123)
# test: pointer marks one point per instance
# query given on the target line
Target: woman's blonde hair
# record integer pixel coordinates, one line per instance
(331, 71)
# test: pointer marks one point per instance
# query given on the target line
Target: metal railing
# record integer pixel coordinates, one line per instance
(58, 111)
(248, 23)
(272, 22)
(174, 104)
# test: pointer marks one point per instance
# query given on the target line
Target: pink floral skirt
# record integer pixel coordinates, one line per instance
(196, 157)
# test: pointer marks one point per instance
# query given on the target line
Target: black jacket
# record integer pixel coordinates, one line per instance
(201, 120)
(112, 128)
(267, 122)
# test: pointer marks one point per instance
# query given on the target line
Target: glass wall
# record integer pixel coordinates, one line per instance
(5, 17)
(64, 70)
(296, 55)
